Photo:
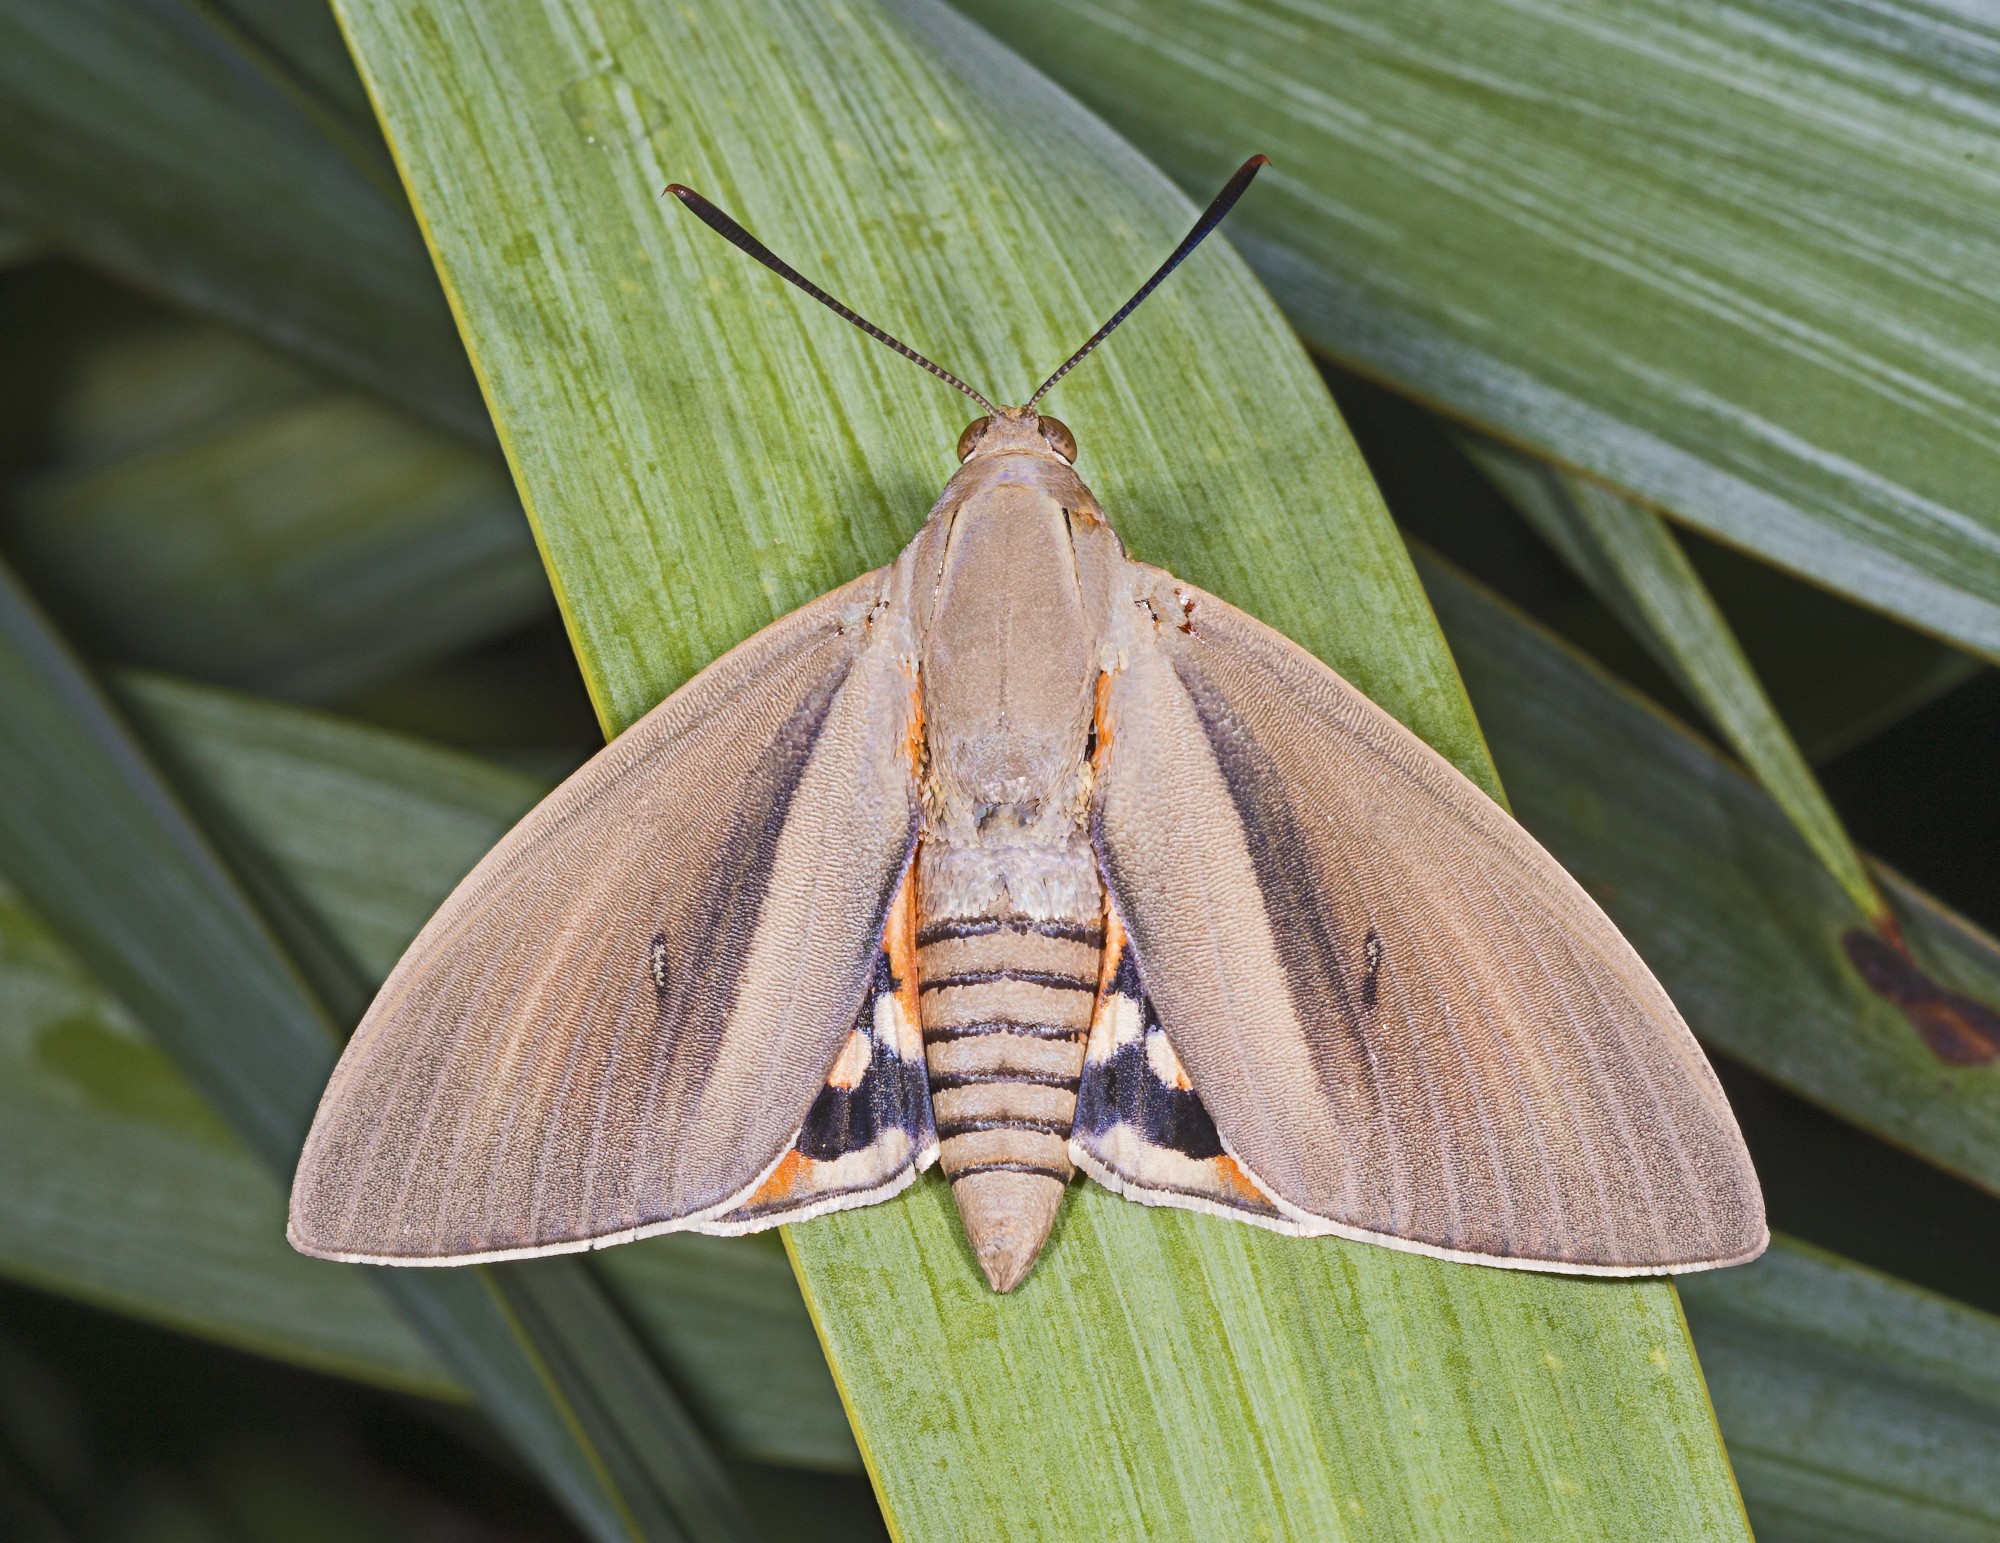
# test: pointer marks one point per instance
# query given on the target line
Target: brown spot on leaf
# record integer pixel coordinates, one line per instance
(1958, 1030)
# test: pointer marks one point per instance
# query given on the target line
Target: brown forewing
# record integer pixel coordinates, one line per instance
(1408, 1022)
(619, 1019)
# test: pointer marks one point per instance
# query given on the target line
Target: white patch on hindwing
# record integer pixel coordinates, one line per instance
(1164, 1063)
(851, 1065)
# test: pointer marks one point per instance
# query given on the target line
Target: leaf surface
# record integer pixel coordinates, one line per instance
(1631, 560)
(1856, 1406)
(218, 512)
(191, 157)
(1737, 259)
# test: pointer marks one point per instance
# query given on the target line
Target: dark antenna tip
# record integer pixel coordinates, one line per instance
(1211, 217)
(748, 244)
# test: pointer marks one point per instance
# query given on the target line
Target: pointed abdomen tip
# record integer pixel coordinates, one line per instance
(1007, 1220)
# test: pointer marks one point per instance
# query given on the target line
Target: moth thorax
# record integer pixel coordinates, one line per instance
(1006, 1007)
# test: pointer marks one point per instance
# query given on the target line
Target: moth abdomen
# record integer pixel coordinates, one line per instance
(1006, 1004)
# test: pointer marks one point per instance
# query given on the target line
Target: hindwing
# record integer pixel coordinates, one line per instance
(1141, 1127)
(869, 1132)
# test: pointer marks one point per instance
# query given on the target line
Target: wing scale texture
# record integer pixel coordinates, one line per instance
(1409, 1024)
(619, 1020)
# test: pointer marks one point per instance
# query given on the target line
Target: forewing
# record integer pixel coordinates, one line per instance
(1407, 1021)
(618, 1021)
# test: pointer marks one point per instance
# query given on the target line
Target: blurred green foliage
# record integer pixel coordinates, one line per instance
(278, 599)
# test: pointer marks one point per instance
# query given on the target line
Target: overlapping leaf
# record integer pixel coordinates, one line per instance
(229, 167)
(1855, 1406)
(1630, 559)
(1736, 259)
(217, 512)
(108, 857)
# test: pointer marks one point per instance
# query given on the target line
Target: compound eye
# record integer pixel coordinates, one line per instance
(974, 432)
(1057, 433)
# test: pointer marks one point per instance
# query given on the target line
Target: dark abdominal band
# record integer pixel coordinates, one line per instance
(1006, 1005)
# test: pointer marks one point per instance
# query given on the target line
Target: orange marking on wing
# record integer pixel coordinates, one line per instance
(1102, 1030)
(914, 741)
(785, 1181)
(1114, 950)
(899, 942)
(1231, 1173)
(1103, 721)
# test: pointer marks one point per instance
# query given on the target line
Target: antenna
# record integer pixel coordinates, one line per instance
(743, 241)
(740, 238)
(1210, 218)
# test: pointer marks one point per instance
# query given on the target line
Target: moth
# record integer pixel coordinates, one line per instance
(1024, 857)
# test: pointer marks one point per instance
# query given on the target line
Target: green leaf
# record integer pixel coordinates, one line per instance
(1632, 562)
(1856, 1407)
(702, 449)
(18, 245)
(303, 36)
(1730, 258)
(119, 1184)
(103, 850)
(1706, 876)
(170, 147)
(1839, 674)
(220, 516)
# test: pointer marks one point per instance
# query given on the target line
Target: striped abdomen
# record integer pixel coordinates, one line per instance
(1006, 1005)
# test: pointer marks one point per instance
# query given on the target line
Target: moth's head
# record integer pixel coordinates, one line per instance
(1013, 430)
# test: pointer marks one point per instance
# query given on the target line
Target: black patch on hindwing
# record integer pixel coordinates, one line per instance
(892, 1093)
(1123, 1088)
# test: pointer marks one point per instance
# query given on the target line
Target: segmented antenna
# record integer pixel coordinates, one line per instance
(744, 242)
(741, 239)
(1210, 218)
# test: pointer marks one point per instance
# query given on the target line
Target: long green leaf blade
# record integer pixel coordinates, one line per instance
(292, 537)
(120, 1185)
(669, 410)
(1735, 259)
(103, 850)
(1857, 1407)
(1629, 557)
(168, 147)
(83, 805)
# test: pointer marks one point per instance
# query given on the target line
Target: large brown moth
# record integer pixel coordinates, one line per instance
(1024, 857)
